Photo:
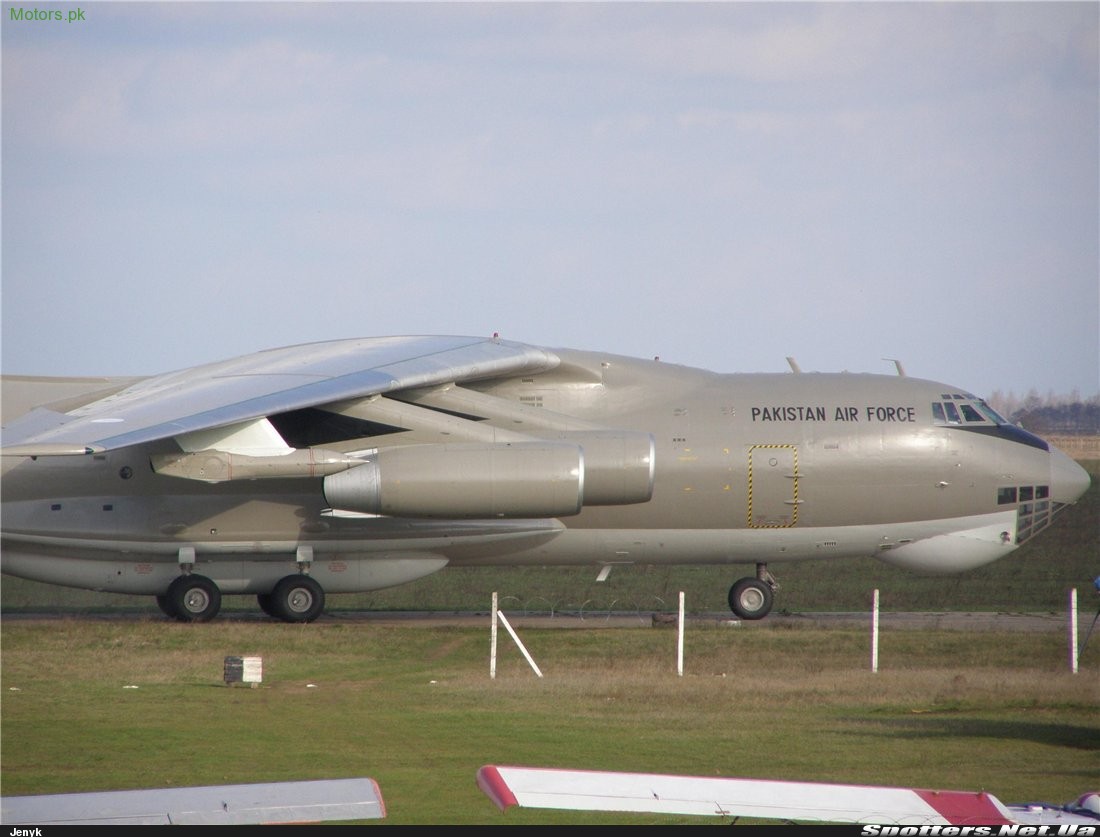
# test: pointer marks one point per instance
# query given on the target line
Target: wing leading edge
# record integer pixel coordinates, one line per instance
(265, 383)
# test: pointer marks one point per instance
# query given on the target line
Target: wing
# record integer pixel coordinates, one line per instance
(237, 391)
(589, 790)
(323, 800)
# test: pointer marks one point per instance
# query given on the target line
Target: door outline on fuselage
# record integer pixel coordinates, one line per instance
(773, 476)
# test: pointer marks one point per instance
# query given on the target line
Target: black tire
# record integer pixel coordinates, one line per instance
(751, 598)
(265, 603)
(297, 598)
(193, 598)
(166, 606)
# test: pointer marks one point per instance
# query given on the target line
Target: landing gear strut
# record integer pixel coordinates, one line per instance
(752, 598)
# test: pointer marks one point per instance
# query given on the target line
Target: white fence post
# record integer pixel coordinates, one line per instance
(680, 638)
(520, 645)
(874, 632)
(493, 642)
(499, 617)
(1073, 630)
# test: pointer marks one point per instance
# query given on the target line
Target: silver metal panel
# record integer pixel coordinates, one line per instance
(271, 382)
(323, 800)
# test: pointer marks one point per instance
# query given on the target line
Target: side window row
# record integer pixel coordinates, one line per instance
(1022, 494)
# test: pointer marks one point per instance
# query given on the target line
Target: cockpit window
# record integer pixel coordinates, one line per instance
(967, 412)
(970, 414)
(955, 408)
(990, 413)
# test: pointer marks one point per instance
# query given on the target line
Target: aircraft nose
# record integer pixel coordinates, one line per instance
(1068, 480)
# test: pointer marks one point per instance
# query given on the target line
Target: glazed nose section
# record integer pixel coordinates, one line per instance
(1068, 480)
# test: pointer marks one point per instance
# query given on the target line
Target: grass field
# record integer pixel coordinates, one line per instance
(94, 701)
(94, 704)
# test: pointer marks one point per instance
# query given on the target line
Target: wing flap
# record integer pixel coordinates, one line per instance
(275, 381)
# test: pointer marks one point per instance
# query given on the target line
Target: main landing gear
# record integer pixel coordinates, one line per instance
(196, 598)
(191, 598)
(752, 598)
(296, 598)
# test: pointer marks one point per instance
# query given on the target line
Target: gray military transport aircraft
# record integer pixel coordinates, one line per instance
(360, 464)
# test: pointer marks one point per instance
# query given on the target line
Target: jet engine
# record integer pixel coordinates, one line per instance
(518, 479)
(464, 480)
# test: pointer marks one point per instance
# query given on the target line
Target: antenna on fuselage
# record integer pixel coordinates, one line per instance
(897, 365)
(793, 364)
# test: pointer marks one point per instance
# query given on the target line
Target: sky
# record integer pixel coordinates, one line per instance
(720, 184)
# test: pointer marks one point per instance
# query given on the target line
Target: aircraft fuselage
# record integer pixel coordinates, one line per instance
(684, 466)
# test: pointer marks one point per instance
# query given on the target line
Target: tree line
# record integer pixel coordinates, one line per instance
(1053, 414)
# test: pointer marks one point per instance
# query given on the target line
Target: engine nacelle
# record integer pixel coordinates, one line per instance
(618, 465)
(526, 479)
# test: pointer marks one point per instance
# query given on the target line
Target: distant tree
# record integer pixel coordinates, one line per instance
(1065, 414)
(1032, 402)
(1073, 419)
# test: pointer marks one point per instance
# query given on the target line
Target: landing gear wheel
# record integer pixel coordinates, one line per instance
(166, 607)
(193, 598)
(751, 598)
(297, 598)
(266, 605)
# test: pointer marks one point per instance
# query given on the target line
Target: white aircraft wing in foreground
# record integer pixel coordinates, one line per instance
(323, 800)
(594, 790)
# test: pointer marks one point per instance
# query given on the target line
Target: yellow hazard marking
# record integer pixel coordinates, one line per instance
(765, 523)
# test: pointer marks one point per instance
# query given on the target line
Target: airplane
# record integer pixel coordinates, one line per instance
(816, 802)
(262, 803)
(354, 465)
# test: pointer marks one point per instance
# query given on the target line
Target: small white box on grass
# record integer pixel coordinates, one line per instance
(244, 670)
